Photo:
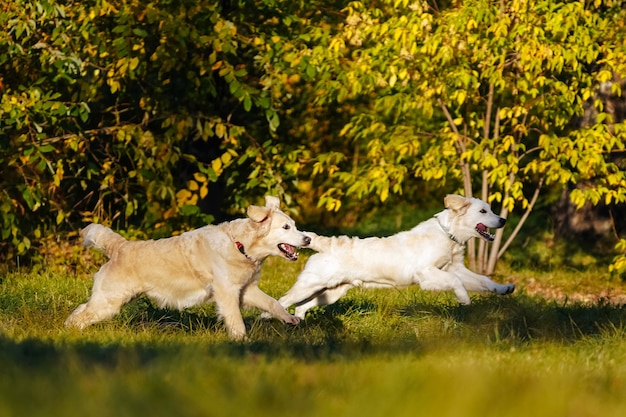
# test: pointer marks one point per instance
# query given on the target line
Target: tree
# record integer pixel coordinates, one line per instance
(481, 91)
(139, 114)
(131, 113)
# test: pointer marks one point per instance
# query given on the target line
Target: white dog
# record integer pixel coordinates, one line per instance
(220, 263)
(431, 255)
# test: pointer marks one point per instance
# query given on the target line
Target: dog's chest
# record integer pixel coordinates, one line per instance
(453, 256)
(244, 276)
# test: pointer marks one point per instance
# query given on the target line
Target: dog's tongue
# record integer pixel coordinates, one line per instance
(289, 250)
(484, 232)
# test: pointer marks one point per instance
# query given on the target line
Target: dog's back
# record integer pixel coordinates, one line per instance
(102, 238)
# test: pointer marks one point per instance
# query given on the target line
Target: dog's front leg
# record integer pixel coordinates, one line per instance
(480, 283)
(434, 279)
(228, 307)
(254, 297)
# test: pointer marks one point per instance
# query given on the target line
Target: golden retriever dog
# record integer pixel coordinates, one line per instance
(431, 255)
(220, 263)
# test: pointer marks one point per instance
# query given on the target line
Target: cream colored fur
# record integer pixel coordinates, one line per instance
(196, 267)
(430, 255)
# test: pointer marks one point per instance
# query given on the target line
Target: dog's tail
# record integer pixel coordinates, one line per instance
(101, 238)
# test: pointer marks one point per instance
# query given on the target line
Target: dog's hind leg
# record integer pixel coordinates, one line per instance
(325, 297)
(93, 311)
(103, 304)
(301, 296)
(300, 293)
(434, 279)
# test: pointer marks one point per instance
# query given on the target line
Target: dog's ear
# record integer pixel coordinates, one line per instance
(272, 202)
(258, 214)
(456, 203)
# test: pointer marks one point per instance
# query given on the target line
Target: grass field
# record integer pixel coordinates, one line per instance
(393, 353)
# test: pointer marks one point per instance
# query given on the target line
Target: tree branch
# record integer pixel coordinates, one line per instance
(460, 147)
(522, 220)
(466, 173)
(483, 250)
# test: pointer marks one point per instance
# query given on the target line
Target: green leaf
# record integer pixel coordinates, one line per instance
(274, 120)
(45, 148)
(247, 103)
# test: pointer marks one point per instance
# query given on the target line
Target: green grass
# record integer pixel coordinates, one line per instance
(388, 352)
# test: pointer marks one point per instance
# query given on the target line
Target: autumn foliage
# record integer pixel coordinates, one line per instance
(147, 115)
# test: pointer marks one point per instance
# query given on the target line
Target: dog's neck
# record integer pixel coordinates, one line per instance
(240, 247)
(448, 232)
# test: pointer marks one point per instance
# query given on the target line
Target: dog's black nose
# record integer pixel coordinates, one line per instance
(306, 240)
(502, 222)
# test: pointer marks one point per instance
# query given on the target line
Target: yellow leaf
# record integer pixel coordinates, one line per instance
(384, 194)
(182, 197)
(200, 177)
(226, 158)
(220, 130)
(605, 75)
(216, 164)
(192, 185)
(460, 96)
(58, 175)
(392, 80)
(335, 205)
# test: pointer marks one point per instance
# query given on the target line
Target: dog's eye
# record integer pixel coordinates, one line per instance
(483, 211)
(286, 227)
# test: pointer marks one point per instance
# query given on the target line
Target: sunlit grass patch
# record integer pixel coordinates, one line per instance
(401, 352)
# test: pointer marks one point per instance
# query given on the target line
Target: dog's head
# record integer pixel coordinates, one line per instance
(472, 217)
(277, 232)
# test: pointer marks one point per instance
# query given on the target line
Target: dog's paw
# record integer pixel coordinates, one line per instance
(292, 320)
(72, 324)
(238, 335)
(505, 289)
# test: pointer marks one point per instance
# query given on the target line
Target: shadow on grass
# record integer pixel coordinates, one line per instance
(141, 313)
(337, 332)
(36, 354)
(526, 318)
(520, 318)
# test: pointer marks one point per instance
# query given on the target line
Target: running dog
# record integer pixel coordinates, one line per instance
(220, 263)
(431, 255)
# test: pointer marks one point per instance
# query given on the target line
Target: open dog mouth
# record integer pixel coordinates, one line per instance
(288, 251)
(484, 232)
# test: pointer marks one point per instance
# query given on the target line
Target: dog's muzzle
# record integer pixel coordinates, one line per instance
(288, 251)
